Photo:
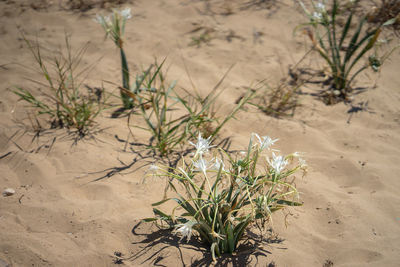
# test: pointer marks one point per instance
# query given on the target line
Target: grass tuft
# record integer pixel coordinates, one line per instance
(61, 95)
(171, 117)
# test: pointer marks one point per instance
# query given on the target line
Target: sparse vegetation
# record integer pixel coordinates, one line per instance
(171, 117)
(61, 96)
(341, 48)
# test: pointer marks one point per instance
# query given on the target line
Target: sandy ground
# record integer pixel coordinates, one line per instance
(60, 216)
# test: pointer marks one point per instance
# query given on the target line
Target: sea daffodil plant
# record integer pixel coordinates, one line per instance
(114, 27)
(223, 197)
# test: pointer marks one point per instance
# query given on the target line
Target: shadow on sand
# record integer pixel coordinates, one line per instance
(157, 246)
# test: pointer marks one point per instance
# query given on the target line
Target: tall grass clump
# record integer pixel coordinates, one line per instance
(114, 27)
(172, 117)
(155, 108)
(61, 96)
(219, 198)
(342, 48)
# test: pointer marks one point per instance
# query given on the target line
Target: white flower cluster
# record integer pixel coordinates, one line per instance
(185, 229)
(125, 13)
(319, 11)
(202, 147)
(107, 21)
(278, 163)
(266, 142)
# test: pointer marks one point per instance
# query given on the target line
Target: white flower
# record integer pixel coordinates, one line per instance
(99, 19)
(278, 163)
(298, 155)
(302, 163)
(185, 229)
(125, 13)
(266, 142)
(217, 164)
(153, 168)
(320, 7)
(107, 19)
(104, 21)
(201, 165)
(202, 145)
(319, 11)
(317, 16)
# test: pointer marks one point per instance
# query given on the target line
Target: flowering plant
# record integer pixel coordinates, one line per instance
(222, 198)
(339, 48)
(114, 27)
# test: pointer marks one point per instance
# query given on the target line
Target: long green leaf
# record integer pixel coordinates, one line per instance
(288, 202)
(160, 202)
(345, 30)
(161, 214)
(353, 43)
(368, 47)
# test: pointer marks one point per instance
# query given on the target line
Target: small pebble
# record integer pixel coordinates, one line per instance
(8, 192)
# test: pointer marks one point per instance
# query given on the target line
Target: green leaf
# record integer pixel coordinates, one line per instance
(214, 247)
(230, 237)
(345, 30)
(289, 203)
(239, 229)
(353, 42)
(368, 47)
(390, 22)
(149, 219)
(160, 202)
(161, 214)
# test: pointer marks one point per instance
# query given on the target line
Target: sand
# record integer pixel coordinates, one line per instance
(60, 215)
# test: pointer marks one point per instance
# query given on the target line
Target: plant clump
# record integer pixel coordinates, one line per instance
(342, 48)
(114, 27)
(171, 117)
(219, 198)
(61, 96)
